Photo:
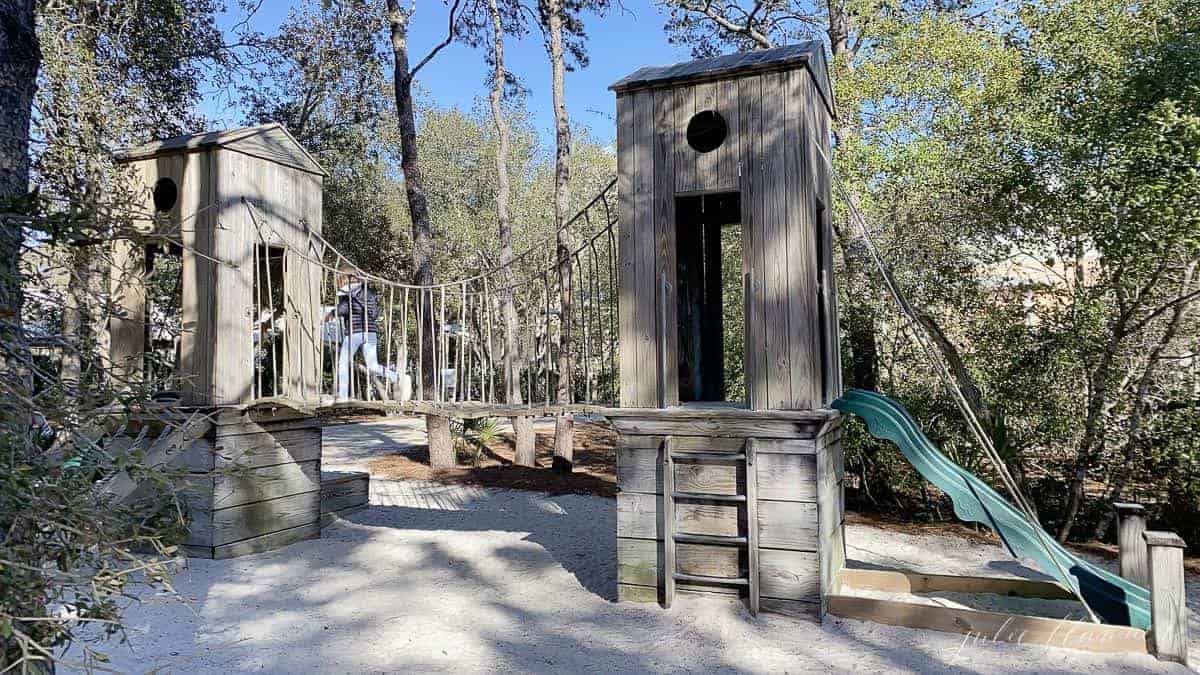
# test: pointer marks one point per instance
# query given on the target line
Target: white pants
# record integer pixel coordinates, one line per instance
(351, 344)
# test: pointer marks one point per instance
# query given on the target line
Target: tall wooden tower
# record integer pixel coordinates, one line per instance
(730, 463)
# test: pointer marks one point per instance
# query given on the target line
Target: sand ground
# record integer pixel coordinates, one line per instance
(435, 578)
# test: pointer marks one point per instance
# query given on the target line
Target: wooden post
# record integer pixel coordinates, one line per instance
(441, 445)
(1168, 604)
(526, 454)
(1131, 523)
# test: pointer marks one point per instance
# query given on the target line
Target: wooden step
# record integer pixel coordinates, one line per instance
(701, 579)
(710, 539)
(708, 496)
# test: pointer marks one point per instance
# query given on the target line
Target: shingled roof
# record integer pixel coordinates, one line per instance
(810, 55)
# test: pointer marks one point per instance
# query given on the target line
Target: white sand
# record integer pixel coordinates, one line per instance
(446, 578)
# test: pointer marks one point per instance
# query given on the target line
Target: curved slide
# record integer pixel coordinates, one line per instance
(1112, 598)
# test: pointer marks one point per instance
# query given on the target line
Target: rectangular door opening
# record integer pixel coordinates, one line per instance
(710, 312)
(267, 329)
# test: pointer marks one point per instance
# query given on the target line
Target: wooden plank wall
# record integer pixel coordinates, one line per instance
(831, 508)
(792, 544)
(288, 203)
(127, 326)
(254, 486)
(772, 119)
(192, 223)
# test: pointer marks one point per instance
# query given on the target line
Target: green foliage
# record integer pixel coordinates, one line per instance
(472, 436)
(1029, 170)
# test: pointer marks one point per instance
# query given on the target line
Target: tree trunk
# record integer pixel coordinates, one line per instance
(1092, 437)
(564, 450)
(1141, 404)
(522, 426)
(418, 210)
(839, 27)
(20, 59)
(508, 310)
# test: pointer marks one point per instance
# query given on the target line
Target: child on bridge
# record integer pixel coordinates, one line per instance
(358, 311)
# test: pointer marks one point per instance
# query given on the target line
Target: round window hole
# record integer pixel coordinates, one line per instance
(706, 131)
(165, 195)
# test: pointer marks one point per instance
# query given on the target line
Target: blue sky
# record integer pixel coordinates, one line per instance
(618, 43)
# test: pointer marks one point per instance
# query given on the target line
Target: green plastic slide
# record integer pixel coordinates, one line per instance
(1113, 599)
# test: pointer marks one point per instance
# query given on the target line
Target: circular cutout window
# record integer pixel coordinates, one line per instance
(706, 131)
(165, 195)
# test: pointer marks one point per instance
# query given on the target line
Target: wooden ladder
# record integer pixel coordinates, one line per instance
(747, 499)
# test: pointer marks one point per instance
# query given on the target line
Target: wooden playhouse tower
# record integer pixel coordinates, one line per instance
(722, 176)
(235, 206)
(240, 210)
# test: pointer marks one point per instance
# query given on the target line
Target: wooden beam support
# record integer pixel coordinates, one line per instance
(904, 581)
(1168, 603)
(990, 626)
(1134, 560)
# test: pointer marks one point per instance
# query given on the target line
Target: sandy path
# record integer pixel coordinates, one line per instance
(439, 578)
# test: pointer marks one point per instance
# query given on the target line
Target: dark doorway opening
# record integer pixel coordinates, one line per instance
(269, 326)
(709, 313)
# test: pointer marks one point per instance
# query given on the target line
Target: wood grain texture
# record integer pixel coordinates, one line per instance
(717, 518)
(626, 253)
(266, 449)
(708, 169)
(665, 235)
(1092, 637)
(1168, 598)
(787, 575)
(344, 490)
(1133, 556)
(750, 152)
(730, 444)
(773, 227)
(668, 521)
(786, 477)
(639, 515)
(727, 152)
(902, 581)
(714, 427)
(685, 157)
(804, 316)
(127, 325)
(268, 542)
(259, 518)
(831, 508)
(789, 525)
(632, 593)
(243, 486)
(786, 525)
(753, 552)
(645, 291)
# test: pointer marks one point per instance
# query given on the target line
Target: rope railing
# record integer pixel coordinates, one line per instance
(386, 340)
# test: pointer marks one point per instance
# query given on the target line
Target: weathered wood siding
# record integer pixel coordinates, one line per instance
(798, 504)
(212, 223)
(255, 484)
(775, 122)
(288, 211)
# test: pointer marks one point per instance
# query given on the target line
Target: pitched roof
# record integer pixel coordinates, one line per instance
(810, 55)
(271, 141)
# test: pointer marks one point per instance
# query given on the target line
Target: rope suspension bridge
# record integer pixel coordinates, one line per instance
(445, 344)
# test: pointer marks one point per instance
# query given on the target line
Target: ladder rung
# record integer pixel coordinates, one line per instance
(709, 456)
(700, 579)
(709, 539)
(708, 496)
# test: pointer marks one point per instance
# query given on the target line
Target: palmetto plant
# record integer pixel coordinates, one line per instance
(472, 436)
